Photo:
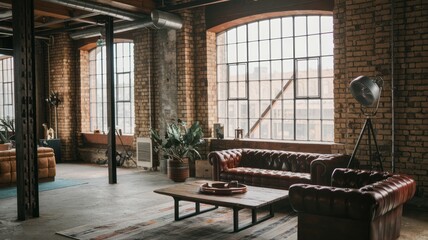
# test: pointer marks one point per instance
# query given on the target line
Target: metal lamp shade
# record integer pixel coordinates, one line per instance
(365, 90)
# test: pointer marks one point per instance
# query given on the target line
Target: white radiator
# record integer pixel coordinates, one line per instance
(144, 152)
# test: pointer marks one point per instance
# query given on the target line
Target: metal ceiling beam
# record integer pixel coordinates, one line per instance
(100, 8)
(192, 4)
(76, 18)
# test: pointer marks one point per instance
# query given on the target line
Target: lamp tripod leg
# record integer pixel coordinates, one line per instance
(377, 148)
(358, 143)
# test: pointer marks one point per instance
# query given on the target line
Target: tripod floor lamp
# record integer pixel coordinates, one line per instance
(367, 92)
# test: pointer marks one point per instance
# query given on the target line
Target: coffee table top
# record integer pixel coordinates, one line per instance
(255, 197)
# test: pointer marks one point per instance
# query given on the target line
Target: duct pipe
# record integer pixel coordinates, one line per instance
(5, 14)
(159, 20)
(99, 8)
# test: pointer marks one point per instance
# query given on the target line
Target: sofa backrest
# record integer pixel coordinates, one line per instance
(277, 160)
(354, 178)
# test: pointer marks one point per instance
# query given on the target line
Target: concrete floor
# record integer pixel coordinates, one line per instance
(99, 201)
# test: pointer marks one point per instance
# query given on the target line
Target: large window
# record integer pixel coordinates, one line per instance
(275, 79)
(7, 107)
(124, 83)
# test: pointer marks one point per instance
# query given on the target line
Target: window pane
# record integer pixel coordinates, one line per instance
(287, 48)
(231, 36)
(327, 67)
(287, 69)
(314, 109)
(313, 87)
(254, 109)
(221, 54)
(313, 24)
(301, 109)
(253, 48)
(222, 91)
(264, 50)
(313, 45)
(327, 44)
(275, 49)
(253, 31)
(221, 73)
(287, 27)
(231, 53)
(242, 52)
(300, 48)
(300, 26)
(276, 69)
(265, 89)
(301, 130)
(275, 28)
(264, 70)
(254, 90)
(314, 130)
(288, 109)
(264, 29)
(327, 88)
(243, 109)
(326, 24)
(253, 71)
(328, 130)
(328, 109)
(288, 129)
(242, 33)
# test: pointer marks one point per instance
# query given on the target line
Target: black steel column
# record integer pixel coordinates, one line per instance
(111, 113)
(25, 109)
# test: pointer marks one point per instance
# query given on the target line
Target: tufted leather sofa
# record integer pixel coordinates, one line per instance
(359, 205)
(272, 168)
(46, 161)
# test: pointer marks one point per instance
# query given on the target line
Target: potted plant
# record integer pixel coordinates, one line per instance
(7, 129)
(179, 147)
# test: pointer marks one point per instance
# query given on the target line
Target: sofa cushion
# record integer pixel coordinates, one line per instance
(265, 177)
(277, 160)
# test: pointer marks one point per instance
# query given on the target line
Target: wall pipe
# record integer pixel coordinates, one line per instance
(392, 91)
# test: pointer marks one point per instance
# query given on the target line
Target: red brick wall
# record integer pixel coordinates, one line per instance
(63, 80)
(362, 34)
(143, 68)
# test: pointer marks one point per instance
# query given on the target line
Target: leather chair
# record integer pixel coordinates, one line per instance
(359, 204)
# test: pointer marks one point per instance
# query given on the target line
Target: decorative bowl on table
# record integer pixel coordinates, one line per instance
(223, 188)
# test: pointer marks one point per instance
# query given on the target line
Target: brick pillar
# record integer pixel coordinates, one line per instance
(143, 88)
(62, 80)
(186, 69)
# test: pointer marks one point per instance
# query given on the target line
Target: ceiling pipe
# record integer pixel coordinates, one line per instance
(5, 14)
(159, 20)
(99, 8)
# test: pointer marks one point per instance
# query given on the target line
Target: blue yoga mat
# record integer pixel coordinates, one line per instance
(45, 186)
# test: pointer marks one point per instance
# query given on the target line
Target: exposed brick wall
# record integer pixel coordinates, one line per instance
(63, 80)
(186, 68)
(362, 34)
(143, 68)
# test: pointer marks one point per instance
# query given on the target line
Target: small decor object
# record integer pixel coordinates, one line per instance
(54, 101)
(239, 133)
(179, 147)
(223, 188)
(218, 130)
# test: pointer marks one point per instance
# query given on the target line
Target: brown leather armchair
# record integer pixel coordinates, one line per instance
(359, 205)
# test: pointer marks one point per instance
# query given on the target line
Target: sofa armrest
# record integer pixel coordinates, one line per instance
(223, 160)
(323, 167)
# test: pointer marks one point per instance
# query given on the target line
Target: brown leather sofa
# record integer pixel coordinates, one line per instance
(359, 205)
(46, 161)
(274, 169)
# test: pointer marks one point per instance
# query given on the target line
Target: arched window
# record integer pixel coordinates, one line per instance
(7, 101)
(124, 83)
(275, 79)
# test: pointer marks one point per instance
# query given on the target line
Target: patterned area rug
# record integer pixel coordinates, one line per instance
(159, 223)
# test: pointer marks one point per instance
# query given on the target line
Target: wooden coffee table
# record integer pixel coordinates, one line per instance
(254, 198)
